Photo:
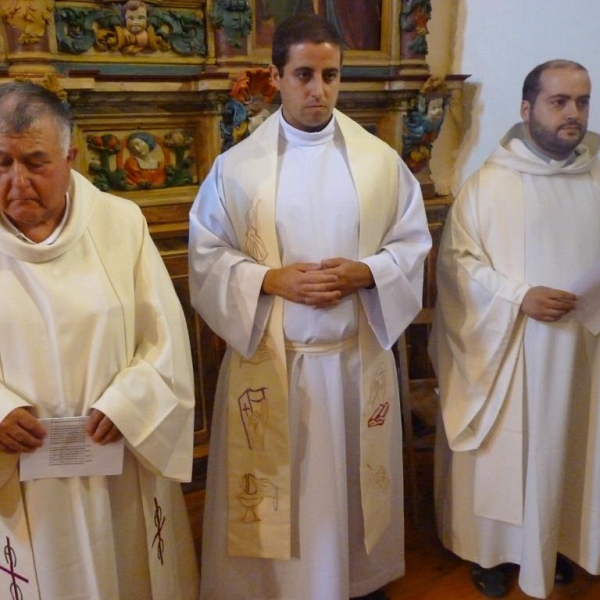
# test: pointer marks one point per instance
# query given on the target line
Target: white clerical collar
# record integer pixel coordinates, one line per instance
(307, 138)
(52, 237)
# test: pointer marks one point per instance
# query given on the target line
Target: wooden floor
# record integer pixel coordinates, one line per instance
(433, 573)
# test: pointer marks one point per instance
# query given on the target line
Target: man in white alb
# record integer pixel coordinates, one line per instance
(518, 459)
(306, 255)
(90, 327)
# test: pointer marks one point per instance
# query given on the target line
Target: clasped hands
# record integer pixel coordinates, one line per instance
(318, 284)
(21, 431)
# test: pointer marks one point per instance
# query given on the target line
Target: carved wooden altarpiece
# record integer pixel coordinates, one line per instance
(158, 88)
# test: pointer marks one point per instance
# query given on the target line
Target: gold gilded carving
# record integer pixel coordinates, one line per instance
(51, 82)
(155, 2)
(134, 35)
(30, 17)
(132, 28)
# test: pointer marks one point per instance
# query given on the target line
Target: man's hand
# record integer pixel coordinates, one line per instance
(20, 431)
(547, 304)
(101, 429)
(303, 283)
(351, 275)
(318, 285)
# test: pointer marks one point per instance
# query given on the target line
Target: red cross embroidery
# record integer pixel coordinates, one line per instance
(11, 559)
(159, 521)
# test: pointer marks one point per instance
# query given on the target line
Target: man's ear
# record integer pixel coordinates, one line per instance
(274, 75)
(525, 110)
(72, 154)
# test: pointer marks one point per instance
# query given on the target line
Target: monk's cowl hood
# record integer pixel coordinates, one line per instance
(83, 201)
(513, 154)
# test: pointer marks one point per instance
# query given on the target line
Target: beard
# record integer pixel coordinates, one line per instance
(549, 140)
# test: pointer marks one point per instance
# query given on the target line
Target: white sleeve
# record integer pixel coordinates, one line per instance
(225, 283)
(151, 401)
(397, 266)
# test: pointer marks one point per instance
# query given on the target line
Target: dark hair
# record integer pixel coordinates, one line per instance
(22, 103)
(298, 29)
(532, 85)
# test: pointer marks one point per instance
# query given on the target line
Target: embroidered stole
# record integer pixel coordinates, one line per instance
(259, 470)
(377, 200)
(258, 451)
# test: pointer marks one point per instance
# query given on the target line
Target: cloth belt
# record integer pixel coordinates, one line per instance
(323, 349)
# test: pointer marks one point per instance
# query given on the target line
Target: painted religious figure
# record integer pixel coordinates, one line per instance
(413, 22)
(136, 25)
(143, 168)
(134, 34)
(422, 123)
(359, 22)
(141, 160)
(421, 127)
(132, 28)
(247, 106)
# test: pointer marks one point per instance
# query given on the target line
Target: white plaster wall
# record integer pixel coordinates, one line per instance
(498, 42)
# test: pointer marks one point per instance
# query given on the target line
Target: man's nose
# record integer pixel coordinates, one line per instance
(317, 87)
(18, 175)
(574, 111)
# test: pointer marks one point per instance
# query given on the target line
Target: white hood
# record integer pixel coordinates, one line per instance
(512, 153)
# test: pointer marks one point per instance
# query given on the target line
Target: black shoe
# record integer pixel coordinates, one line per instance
(490, 582)
(376, 595)
(563, 573)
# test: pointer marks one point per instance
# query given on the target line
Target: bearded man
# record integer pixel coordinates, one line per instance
(517, 466)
